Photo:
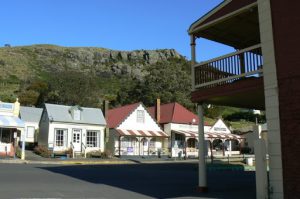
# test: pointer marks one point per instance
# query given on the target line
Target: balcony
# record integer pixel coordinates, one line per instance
(246, 63)
(234, 79)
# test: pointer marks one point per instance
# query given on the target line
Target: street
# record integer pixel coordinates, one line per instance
(174, 180)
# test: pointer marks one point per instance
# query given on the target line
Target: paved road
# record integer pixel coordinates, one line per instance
(120, 181)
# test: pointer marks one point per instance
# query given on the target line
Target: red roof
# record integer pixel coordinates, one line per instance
(174, 113)
(117, 115)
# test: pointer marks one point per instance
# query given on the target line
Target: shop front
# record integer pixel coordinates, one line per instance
(11, 128)
(140, 142)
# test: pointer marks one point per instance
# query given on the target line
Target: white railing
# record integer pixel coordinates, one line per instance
(229, 68)
(73, 151)
(83, 149)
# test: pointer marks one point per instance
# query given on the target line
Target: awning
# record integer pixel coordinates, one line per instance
(209, 135)
(11, 122)
(142, 133)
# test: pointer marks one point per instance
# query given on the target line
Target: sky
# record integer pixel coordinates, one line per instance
(112, 24)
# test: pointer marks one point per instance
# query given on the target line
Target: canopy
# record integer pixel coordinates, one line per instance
(11, 122)
(209, 135)
(141, 133)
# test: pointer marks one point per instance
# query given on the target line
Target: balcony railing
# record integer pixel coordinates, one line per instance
(229, 68)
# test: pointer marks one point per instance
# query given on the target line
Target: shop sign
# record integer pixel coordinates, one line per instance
(129, 149)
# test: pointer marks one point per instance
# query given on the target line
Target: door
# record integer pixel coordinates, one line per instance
(76, 139)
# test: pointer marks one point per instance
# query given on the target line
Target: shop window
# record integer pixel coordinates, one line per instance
(30, 132)
(61, 137)
(92, 138)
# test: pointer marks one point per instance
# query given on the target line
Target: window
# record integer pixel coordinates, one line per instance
(60, 137)
(140, 116)
(92, 138)
(30, 132)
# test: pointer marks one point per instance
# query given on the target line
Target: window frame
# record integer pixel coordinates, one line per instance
(64, 136)
(95, 142)
(140, 116)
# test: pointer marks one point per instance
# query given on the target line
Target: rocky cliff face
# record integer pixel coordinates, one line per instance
(24, 61)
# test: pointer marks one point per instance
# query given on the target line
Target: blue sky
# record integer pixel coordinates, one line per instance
(113, 24)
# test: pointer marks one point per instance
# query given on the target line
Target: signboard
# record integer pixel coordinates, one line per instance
(129, 149)
(6, 106)
(15, 135)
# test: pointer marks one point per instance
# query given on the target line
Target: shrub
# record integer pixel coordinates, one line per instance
(18, 152)
(94, 154)
(42, 151)
(106, 154)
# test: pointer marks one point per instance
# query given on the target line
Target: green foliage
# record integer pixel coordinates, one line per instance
(72, 87)
(247, 116)
(169, 81)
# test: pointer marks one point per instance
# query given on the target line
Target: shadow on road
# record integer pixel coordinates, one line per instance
(163, 180)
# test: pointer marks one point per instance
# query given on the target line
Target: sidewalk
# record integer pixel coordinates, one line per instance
(32, 158)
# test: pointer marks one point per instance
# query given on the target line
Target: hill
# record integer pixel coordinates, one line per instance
(86, 76)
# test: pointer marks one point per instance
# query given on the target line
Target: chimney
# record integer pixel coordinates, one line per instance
(157, 110)
(106, 130)
(105, 108)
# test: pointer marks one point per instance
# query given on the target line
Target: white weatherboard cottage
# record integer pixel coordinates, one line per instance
(31, 117)
(79, 128)
(134, 132)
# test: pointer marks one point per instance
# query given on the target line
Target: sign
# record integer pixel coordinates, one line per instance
(15, 135)
(6, 106)
(219, 129)
(129, 149)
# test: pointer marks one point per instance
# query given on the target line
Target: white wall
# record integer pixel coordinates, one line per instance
(36, 128)
(131, 123)
(220, 127)
(70, 127)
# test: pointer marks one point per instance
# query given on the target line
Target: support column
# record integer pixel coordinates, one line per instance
(193, 59)
(120, 146)
(202, 186)
(23, 144)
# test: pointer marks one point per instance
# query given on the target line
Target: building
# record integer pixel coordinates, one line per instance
(182, 127)
(134, 132)
(72, 127)
(262, 74)
(11, 128)
(31, 117)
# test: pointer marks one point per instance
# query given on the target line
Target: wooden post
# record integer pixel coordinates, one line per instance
(120, 146)
(202, 186)
(211, 151)
(193, 59)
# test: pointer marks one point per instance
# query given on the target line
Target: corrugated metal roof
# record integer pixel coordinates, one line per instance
(30, 114)
(117, 115)
(175, 113)
(61, 113)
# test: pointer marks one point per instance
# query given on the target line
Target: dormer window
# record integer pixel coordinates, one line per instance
(75, 112)
(140, 116)
(76, 115)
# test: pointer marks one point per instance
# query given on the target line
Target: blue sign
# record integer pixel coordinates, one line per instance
(129, 149)
(7, 106)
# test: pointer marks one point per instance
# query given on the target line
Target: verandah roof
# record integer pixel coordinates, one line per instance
(209, 135)
(141, 133)
(11, 122)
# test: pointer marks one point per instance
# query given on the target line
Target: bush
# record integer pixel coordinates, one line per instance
(42, 151)
(107, 154)
(18, 152)
(94, 154)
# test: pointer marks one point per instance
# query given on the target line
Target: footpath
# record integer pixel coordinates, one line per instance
(32, 158)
